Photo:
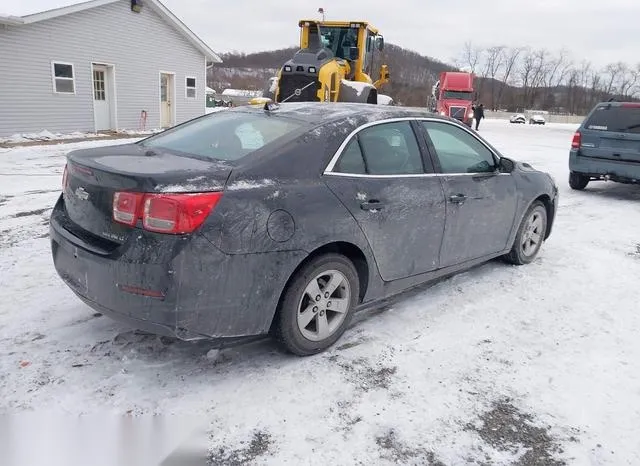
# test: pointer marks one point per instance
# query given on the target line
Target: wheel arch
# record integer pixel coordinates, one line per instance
(548, 205)
(350, 251)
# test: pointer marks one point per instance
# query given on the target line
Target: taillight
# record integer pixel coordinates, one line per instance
(65, 179)
(126, 207)
(164, 213)
(577, 138)
(177, 213)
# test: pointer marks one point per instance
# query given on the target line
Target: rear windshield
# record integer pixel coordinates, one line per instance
(614, 118)
(224, 135)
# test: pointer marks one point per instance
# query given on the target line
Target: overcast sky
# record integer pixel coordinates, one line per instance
(596, 30)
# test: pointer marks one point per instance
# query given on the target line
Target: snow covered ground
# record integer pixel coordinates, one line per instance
(537, 364)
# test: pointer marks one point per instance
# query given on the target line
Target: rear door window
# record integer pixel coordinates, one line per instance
(614, 119)
(225, 135)
(391, 149)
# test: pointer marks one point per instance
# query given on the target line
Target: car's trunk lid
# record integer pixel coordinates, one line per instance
(95, 175)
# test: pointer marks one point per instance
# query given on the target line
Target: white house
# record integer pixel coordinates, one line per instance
(100, 65)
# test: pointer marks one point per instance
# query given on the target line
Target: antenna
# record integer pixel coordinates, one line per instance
(321, 11)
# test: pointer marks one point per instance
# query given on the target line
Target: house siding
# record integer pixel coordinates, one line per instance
(139, 45)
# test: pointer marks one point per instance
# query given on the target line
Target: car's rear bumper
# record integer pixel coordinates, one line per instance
(597, 167)
(190, 290)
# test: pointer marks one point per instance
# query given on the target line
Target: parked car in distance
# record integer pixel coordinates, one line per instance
(518, 118)
(606, 146)
(286, 220)
(537, 119)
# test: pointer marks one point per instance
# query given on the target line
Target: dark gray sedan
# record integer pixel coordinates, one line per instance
(286, 220)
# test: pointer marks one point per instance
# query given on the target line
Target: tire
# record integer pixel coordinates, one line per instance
(289, 328)
(530, 235)
(578, 181)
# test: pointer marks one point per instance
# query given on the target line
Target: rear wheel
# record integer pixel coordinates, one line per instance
(578, 181)
(317, 305)
(530, 235)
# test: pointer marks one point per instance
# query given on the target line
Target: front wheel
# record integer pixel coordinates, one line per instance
(317, 305)
(530, 235)
(578, 181)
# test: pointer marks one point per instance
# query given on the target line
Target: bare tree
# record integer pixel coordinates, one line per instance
(626, 80)
(494, 61)
(470, 58)
(510, 61)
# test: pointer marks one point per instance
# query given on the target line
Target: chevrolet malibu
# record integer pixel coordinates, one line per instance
(285, 220)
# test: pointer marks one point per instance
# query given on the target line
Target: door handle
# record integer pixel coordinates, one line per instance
(457, 198)
(372, 204)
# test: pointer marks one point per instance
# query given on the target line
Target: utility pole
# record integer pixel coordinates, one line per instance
(321, 11)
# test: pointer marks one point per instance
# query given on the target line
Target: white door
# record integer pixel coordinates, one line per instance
(166, 100)
(101, 99)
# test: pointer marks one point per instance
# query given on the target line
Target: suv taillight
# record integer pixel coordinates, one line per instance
(164, 213)
(577, 138)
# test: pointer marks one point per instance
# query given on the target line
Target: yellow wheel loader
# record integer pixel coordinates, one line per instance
(334, 64)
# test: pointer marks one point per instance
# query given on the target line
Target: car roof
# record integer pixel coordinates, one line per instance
(616, 103)
(324, 112)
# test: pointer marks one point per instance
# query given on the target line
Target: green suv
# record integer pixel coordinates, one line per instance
(606, 146)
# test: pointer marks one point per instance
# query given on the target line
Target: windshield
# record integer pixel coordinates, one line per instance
(615, 118)
(224, 135)
(339, 40)
(458, 95)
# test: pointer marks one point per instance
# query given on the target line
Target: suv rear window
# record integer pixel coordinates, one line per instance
(224, 135)
(615, 119)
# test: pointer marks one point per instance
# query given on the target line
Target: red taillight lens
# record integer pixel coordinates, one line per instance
(177, 213)
(164, 213)
(126, 207)
(65, 179)
(577, 138)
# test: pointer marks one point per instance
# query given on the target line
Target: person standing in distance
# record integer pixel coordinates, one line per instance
(478, 114)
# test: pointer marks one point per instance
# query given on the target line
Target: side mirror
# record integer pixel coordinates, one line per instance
(380, 43)
(505, 165)
(354, 53)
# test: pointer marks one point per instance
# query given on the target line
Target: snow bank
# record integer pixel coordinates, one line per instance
(46, 135)
(216, 109)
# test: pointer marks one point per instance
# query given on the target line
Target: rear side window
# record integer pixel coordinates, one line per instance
(351, 160)
(614, 119)
(225, 135)
(382, 149)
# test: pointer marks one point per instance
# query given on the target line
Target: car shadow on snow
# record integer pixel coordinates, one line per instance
(614, 191)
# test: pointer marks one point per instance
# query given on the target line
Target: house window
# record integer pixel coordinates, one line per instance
(63, 78)
(191, 88)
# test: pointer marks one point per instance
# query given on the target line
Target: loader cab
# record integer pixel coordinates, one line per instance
(355, 42)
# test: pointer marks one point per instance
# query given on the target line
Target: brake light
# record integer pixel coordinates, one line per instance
(164, 213)
(577, 138)
(65, 179)
(631, 105)
(177, 213)
(126, 207)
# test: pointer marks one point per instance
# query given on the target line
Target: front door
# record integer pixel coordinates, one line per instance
(380, 178)
(101, 98)
(481, 202)
(166, 100)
